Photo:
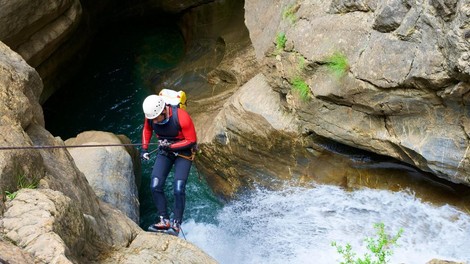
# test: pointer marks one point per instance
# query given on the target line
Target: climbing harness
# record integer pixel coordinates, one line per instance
(190, 158)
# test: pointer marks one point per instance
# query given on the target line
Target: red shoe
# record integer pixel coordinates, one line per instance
(176, 227)
(164, 224)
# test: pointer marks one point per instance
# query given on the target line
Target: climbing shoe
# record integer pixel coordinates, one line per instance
(176, 227)
(164, 224)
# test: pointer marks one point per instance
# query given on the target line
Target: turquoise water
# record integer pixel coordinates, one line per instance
(108, 93)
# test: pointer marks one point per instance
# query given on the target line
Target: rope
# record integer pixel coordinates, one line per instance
(93, 146)
(182, 232)
(71, 146)
(153, 151)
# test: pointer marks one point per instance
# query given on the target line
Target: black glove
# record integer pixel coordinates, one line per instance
(144, 155)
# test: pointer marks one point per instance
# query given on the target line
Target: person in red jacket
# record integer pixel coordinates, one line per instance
(177, 140)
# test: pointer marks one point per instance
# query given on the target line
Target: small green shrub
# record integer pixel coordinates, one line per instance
(338, 64)
(299, 85)
(10, 195)
(281, 41)
(301, 63)
(22, 183)
(380, 247)
(289, 13)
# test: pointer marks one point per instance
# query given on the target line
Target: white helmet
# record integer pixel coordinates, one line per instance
(153, 106)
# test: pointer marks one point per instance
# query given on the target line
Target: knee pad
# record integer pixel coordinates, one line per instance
(154, 184)
(180, 187)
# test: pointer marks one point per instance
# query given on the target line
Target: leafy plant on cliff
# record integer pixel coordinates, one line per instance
(10, 195)
(299, 85)
(22, 182)
(337, 63)
(301, 64)
(281, 41)
(289, 13)
(380, 247)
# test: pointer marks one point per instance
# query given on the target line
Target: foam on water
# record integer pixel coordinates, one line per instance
(298, 225)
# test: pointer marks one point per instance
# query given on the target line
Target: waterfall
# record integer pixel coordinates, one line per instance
(298, 225)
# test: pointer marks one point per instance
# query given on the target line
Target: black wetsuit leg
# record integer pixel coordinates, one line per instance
(182, 167)
(160, 171)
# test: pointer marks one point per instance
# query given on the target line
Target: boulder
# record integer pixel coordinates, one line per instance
(109, 170)
(148, 248)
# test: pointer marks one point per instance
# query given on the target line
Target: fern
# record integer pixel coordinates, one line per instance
(338, 64)
(281, 41)
(22, 182)
(299, 85)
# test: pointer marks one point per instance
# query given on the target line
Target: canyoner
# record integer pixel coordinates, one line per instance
(166, 117)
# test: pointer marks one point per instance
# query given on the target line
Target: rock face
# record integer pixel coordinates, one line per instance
(53, 33)
(109, 170)
(20, 87)
(437, 261)
(12, 254)
(402, 91)
(38, 29)
(35, 29)
(238, 147)
(149, 248)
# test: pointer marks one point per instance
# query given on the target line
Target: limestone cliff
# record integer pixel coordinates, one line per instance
(38, 29)
(403, 88)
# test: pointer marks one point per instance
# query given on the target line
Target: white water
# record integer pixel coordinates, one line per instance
(297, 225)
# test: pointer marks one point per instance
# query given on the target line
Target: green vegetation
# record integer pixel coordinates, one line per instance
(338, 64)
(380, 247)
(22, 183)
(281, 41)
(289, 13)
(299, 85)
(301, 64)
(10, 195)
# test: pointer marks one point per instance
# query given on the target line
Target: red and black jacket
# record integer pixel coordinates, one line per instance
(179, 130)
